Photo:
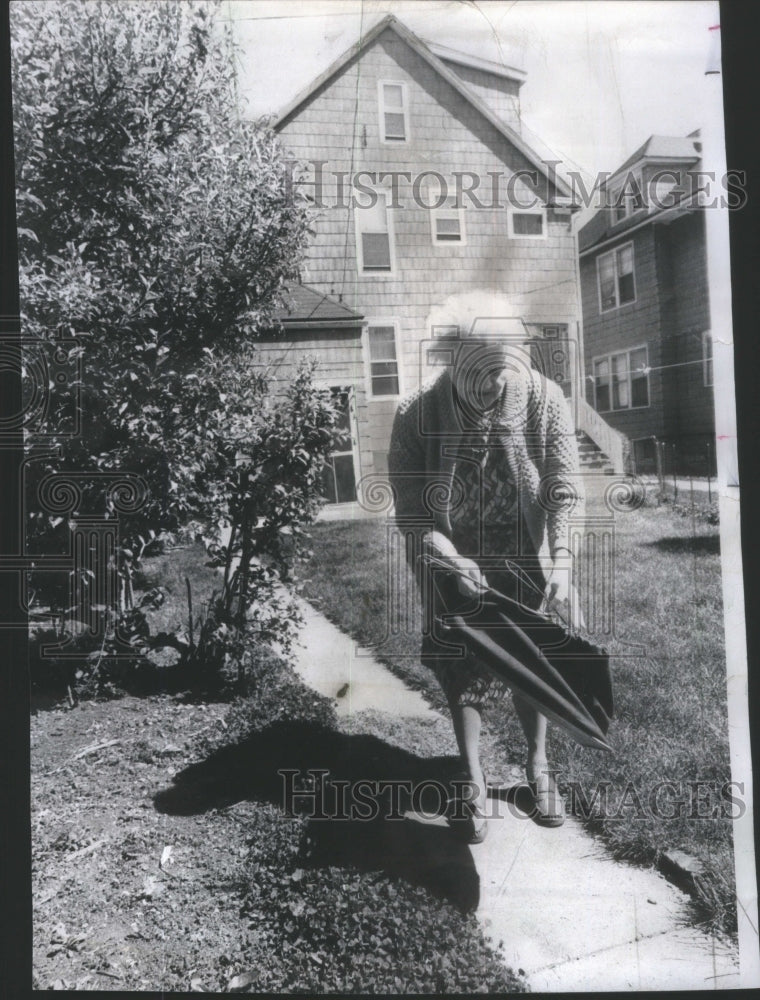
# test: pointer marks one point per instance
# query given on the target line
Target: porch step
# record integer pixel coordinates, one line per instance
(591, 457)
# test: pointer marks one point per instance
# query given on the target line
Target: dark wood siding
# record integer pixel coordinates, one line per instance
(631, 325)
(670, 315)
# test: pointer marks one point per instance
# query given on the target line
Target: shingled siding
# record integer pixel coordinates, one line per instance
(629, 326)
(498, 92)
(339, 124)
(340, 362)
(686, 316)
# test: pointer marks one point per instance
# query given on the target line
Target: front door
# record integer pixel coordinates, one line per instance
(550, 352)
(339, 475)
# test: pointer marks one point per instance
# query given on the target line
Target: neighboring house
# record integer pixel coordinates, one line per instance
(396, 106)
(647, 343)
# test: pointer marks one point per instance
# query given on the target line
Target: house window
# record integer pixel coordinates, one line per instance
(447, 223)
(615, 278)
(442, 356)
(394, 111)
(383, 360)
(666, 191)
(621, 381)
(707, 358)
(374, 237)
(523, 223)
(339, 472)
(627, 199)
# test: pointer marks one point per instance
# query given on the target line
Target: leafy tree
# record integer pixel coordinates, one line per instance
(156, 231)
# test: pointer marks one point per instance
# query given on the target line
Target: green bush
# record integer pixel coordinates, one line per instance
(156, 231)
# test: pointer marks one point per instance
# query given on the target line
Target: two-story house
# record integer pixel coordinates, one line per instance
(643, 268)
(424, 188)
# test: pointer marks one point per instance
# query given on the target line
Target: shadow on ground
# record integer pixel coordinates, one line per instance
(692, 544)
(358, 823)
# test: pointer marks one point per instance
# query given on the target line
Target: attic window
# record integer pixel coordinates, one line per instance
(394, 111)
(627, 199)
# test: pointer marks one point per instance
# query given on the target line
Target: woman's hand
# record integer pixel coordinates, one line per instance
(558, 585)
(559, 593)
(471, 581)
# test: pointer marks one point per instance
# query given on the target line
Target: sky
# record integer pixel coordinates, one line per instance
(601, 76)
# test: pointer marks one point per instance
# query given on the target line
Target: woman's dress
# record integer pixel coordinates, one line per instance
(487, 526)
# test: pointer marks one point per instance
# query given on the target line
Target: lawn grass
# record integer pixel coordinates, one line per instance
(669, 677)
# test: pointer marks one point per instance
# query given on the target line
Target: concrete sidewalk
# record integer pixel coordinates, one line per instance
(571, 918)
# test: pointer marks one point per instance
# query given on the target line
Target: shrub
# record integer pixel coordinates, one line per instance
(156, 229)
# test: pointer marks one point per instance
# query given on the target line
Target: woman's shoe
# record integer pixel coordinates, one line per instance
(549, 807)
(464, 817)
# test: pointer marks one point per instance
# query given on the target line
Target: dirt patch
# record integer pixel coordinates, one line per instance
(124, 897)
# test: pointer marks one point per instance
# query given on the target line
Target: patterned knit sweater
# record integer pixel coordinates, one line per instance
(532, 424)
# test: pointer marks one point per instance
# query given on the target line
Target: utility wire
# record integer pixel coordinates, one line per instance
(646, 369)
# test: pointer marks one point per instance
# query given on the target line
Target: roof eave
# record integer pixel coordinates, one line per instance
(664, 215)
(651, 161)
(312, 324)
(450, 76)
(443, 70)
(476, 62)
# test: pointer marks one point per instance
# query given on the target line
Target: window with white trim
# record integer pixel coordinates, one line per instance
(339, 471)
(615, 278)
(383, 359)
(663, 188)
(445, 354)
(526, 223)
(447, 223)
(374, 237)
(707, 358)
(621, 380)
(627, 199)
(394, 111)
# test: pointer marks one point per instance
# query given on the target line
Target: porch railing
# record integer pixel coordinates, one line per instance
(614, 444)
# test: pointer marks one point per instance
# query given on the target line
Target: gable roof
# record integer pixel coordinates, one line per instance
(426, 53)
(671, 148)
(305, 306)
(677, 151)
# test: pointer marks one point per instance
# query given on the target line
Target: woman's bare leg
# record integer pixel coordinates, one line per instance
(534, 726)
(549, 805)
(467, 725)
